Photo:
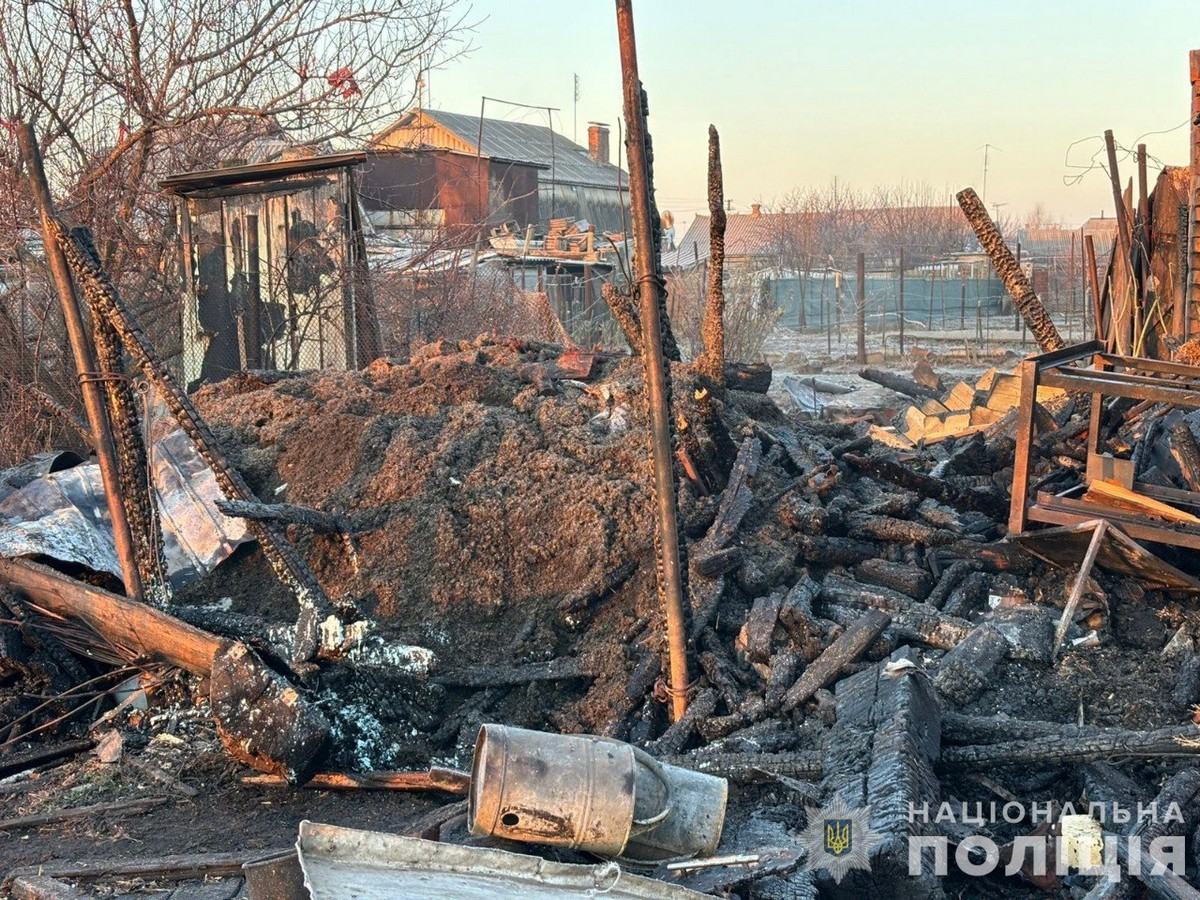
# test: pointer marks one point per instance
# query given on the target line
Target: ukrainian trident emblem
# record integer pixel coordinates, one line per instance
(839, 837)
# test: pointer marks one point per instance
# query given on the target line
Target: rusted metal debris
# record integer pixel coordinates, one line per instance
(658, 346)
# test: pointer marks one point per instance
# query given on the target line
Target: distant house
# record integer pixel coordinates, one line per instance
(751, 240)
(572, 181)
(427, 192)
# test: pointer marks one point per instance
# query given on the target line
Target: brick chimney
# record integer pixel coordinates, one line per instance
(598, 141)
(755, 210)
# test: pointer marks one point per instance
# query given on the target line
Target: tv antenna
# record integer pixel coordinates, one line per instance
(986, 148)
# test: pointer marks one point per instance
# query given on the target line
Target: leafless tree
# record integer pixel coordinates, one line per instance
(124, 92)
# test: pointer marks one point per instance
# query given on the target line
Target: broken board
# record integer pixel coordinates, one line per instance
(1120, 554)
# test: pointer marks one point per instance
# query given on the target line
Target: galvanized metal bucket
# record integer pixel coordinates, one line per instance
(576, 791)
(695, 821)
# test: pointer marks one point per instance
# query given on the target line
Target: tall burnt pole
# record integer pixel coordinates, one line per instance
(672, 572)
(1025, 299)
(85, 361)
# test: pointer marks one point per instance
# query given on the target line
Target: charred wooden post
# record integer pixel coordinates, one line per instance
(964, 672)
(712, 360)
(624, 314)
(286, 562)
(132, 462)
(658, 345)
(849, 646)
(90, 379)
(860, 307)
(1122, 311)
(1041, 326)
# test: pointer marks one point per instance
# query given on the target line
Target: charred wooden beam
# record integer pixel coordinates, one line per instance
(751, 767)
(901, 531)
(881, 753)
(561, 669)
(849, 646)
(288, 514)
(916, 583)
(1186, 452)
(1041, 326)
(681, 730)
(900, 384)
(15, 763)
(1071, 747)
(964, 671)
(886, 470)
(949, 580)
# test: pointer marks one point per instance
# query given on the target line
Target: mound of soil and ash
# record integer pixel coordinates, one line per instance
(858, 625)
(500, 516)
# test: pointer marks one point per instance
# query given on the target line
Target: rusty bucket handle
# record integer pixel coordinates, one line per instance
(640, 825)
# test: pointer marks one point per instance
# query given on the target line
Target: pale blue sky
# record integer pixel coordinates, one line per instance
(869, 91)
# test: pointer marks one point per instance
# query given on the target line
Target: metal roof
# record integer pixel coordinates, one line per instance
(567, 162)
(746, 235)
(234, 175)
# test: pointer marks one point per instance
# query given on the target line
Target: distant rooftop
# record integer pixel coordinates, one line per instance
(563, 159)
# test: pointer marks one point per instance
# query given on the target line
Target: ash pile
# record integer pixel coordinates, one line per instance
(479, 520)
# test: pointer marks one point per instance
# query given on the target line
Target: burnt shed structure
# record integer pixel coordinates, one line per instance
(272, 258)
(573, 182)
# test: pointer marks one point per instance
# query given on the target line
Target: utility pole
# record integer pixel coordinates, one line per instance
(901, 339)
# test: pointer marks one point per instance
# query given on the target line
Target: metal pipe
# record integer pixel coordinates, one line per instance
(1018, 286)
(671, 574)
(85, 361)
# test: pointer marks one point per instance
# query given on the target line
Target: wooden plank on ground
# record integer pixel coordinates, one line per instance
(1118, 497)
(961, 396)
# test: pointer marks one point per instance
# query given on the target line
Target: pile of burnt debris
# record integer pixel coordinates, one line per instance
(479, 521)
(764, 657)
